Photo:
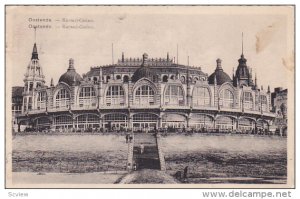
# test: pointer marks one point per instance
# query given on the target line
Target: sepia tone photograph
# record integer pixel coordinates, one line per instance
(150, 96)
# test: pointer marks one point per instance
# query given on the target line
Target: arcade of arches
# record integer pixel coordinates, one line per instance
(149, 121)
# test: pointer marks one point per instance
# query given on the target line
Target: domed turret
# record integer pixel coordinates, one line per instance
(144, 71)
(242, 69)
(219, 75)
(71, 77)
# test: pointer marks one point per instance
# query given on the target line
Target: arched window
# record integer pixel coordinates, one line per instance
(63, 121)
(107, 78)
(115, 95)
(199, 121)
(144, 121)
(224, 123)
(173, 121)
(245, 124)
(62, 99)
(165, 78)
(196, 79)
(29, 103)
(144, 95)
(41, 100)
(87, 97)
(95, 79)
(25, 104)
(261, 124)
(38, 84)
(115, 121)
(226, 98)
(201, 96)
(43, 122)
(174, 95)
(248, 100)
(182, 79)
(264, 102)
(87, 121)
(118, 77)
(26, 87)
(125, 78)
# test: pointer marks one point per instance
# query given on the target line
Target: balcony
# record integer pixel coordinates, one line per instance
(147, 106)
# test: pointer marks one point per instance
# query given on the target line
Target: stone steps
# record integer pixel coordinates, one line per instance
(149, 159)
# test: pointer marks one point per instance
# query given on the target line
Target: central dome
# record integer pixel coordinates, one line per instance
(219, 75)
(71, 77)
(144, 71)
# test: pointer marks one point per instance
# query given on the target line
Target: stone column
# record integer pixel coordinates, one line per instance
(188, 118)
(52, 126)
(130, 122)
(214, 122)
(74, 121)
(160, 122)
(102, 125)
(255, 127)
(100, 121)
(237, 123)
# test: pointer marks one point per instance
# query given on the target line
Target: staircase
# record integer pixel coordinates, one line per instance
(160, 154)
(149, 158)
(130, 155)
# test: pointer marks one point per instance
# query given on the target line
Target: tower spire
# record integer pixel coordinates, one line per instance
(177, 54)
(35, 54)
(242, 43)
(112, 53)
(233, 73)
(34, 50)
(34, 34)
(255, 80)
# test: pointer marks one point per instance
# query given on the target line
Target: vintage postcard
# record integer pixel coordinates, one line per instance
(150, 96)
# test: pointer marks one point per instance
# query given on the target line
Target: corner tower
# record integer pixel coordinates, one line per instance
(34, 78)
(243, 75)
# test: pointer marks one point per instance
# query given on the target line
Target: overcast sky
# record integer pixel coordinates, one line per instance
(202, 33)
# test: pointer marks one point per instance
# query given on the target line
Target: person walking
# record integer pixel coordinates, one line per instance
(142, 148)
(185, 171)
(127, 137)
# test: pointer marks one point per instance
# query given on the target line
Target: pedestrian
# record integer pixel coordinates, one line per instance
(134, 167)
(142, 148)
(127, 137)
(185, 171)
(129, 166)
(130, 138)
(178, 175)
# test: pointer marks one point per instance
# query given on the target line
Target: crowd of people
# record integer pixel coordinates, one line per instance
(162, 131)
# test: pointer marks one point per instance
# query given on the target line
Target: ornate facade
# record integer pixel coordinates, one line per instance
(144, 94)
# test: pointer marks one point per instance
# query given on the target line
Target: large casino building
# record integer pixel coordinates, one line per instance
(145, 94)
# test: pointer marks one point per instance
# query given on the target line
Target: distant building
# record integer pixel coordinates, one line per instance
(17, 102)
(145, 94)
(279, 103)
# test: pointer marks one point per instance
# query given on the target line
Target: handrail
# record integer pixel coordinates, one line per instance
(154, 106)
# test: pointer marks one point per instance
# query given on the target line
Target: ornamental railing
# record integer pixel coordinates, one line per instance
(147, 106)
